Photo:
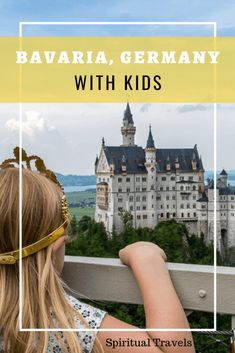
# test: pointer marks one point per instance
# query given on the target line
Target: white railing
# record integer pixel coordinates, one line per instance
(109, 280)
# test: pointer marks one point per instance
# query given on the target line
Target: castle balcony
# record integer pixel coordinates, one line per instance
(185, 192)
(109, 280)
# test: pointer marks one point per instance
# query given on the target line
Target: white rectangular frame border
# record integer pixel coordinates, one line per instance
(21, 329)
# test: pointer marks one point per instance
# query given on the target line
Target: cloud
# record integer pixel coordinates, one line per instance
(32, 124)
(145, 108)
(191, 108)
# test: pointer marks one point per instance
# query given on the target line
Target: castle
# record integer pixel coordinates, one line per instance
(156, 184)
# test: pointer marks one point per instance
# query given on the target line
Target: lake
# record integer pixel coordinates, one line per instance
(79, 188)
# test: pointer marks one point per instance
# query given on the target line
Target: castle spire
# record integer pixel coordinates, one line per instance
(150, 141)
(127, 115)
(128, 128)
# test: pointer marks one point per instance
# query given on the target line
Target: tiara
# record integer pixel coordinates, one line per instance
(10, 258)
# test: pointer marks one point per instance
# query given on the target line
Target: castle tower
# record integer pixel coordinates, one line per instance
(224, 178)
(150, 164)
(128, 129)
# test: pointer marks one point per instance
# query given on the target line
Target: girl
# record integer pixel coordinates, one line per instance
(45, 302)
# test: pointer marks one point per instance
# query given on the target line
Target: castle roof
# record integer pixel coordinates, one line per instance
(227, 191)
(204, 198)
(127, 114)
(150, 141)
(223, 172)
(135, 158)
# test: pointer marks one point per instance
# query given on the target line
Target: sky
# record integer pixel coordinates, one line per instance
(68, 136)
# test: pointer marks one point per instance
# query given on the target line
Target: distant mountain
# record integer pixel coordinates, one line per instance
(76, 180)
(83, 180)
(231, 175)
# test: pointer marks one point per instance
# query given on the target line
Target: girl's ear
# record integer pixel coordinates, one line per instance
(59, 243)
(58, 251)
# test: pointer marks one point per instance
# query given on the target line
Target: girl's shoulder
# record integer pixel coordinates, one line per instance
(93, 317)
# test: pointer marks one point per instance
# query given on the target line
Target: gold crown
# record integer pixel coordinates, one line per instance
(11, 257)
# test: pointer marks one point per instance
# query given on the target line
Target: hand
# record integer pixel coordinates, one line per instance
(141, 251)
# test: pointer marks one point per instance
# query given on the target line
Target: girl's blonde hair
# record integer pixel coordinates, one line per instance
(44, 302)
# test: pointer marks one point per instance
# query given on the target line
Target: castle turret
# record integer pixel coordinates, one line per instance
(150, 165)
(224, 178)
(150, 150)
(128, 129)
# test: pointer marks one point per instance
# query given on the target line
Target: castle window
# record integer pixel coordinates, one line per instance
(137, 198)
(119, 180)
(128, 189)
(181, 178)
(138, 208)
(144, 179)
(232, 214)
(232, 198)
(190, 178)
(161, 188)
(138, 216)
(127, 180)
(194, 214)
(188, 215)
(172, 178)
(119, 190)
(188, 205)
(152, 187)
(194, 188)
(152, 214)
(182, 215)
(152, 197)
(194, 197)
(144, 189)
(181, 188)
(194, 205)
(156, 178)
(173, 188)
(120, 209)
(152, 206)
(119, 199)
(145, 216)
(131, 208)
(167, 188)
(173, 197)
(158, 197)
(182, 205)
(137, 179)
(173, 214)
(144, 207)
(144, 198)
(137, 188)
(167, 197)
(174, 206)
(163, 178)
(131, 199)
(167, 206)
(232, 206)
(203, 206)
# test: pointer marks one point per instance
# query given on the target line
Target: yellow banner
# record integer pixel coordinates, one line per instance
(114, 69)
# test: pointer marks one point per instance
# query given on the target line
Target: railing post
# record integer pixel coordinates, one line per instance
(233, 322)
